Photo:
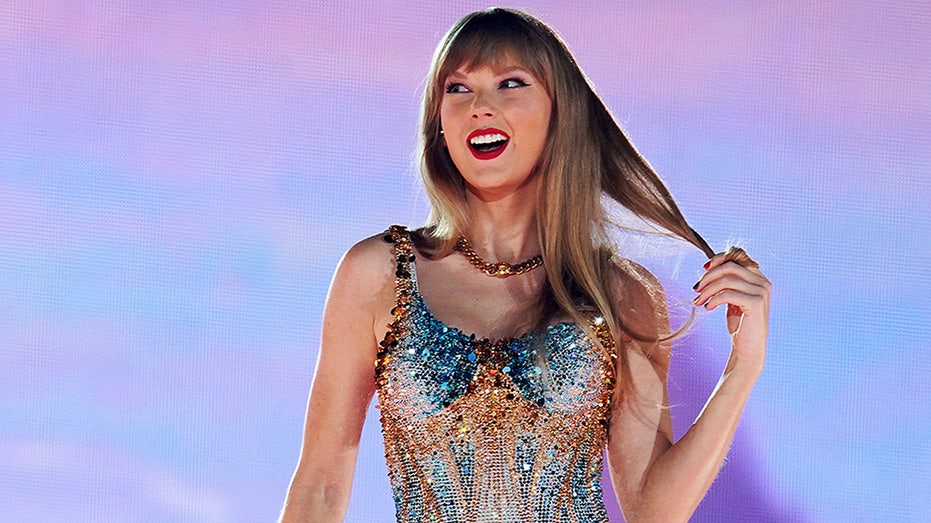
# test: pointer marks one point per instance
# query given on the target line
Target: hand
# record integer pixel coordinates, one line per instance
(734, 279)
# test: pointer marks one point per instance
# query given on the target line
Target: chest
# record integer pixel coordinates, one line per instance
(429, 366)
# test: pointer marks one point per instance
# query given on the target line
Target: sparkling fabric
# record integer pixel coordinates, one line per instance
(480, 430)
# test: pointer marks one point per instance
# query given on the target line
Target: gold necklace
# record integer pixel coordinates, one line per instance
(499, 269)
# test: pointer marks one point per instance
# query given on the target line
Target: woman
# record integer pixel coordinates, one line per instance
(570, 350)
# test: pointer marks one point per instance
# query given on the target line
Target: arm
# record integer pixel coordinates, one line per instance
(654, 479)
(358, 303)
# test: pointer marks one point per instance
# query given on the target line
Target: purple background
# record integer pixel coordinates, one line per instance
(179, 179)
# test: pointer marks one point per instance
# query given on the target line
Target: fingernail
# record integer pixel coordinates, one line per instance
(695, 287)
(707, 264)
(695, 301)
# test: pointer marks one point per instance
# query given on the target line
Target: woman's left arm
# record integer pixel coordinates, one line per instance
(654, 479)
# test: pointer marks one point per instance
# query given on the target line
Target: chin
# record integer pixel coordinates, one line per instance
(489, 190)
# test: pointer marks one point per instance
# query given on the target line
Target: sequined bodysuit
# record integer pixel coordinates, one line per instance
(478, 430)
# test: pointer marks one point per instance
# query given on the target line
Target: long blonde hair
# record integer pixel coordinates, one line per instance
(587, 157)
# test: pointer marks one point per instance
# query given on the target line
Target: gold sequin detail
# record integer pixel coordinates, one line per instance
(480, 430)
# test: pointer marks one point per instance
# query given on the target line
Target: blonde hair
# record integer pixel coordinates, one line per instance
(587, 157)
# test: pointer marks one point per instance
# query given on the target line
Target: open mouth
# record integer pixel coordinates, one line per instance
(486, 144)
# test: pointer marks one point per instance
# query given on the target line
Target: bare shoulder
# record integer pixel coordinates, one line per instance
(370, 258)
(639, 299)
(629, 274)
(634, 286)
(364, 280)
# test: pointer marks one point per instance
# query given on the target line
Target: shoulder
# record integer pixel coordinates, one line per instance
(633, 283)
(372, 255)
(366, 268)
(639, 300)
(363, 287)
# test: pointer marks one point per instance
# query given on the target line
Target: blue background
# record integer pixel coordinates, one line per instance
(179, 179)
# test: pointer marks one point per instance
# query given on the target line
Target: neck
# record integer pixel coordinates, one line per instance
(503, 229)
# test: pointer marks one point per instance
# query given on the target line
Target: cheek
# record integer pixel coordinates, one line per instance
(450, 111)
(446, 126)
(542, 126)
(451, 133)
(444, 117)
(446, 114)
(537, 118)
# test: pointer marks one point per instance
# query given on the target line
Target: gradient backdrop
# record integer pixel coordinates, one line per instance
(178, 181)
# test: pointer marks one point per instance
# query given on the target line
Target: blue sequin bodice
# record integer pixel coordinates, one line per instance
(480, 430)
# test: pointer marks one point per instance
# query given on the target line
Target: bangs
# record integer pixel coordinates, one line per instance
(492, 40)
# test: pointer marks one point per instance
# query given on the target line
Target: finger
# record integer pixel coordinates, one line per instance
(714, 261)
(748, 303)
(732, 270)
(732, 254)
(724, 283)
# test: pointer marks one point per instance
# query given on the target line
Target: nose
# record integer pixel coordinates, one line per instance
(483, 106)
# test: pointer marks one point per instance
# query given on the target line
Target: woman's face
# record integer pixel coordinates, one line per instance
(495, 125)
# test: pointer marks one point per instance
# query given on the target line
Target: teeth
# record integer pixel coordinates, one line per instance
(487, 138)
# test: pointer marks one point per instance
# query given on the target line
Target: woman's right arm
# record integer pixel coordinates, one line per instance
(357, 308)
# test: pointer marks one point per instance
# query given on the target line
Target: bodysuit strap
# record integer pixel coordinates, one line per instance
(405, 275)
(405, 287)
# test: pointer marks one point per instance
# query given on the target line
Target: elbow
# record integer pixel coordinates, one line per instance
(310, 499)
(657, 517)
(659, 510)
(646, 506)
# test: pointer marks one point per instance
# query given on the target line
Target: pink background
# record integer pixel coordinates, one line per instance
(178, 180)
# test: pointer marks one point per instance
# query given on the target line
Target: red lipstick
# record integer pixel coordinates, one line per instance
(488, 143)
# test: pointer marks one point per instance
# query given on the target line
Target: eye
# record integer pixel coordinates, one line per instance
(456, 88)
(513, 83)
